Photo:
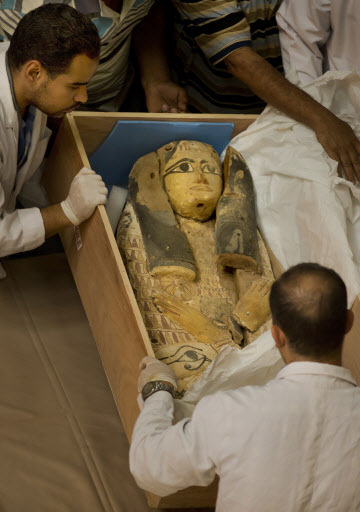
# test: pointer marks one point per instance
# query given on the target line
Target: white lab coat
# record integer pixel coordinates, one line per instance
(23, 229)
(318, 36)
(292, 445)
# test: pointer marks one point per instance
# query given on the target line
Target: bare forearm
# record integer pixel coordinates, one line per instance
(54, 219)
(149, 41)
(337, 137)
(272, 87)
(161, 93)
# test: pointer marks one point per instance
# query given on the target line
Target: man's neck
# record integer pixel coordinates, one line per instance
(334, 359)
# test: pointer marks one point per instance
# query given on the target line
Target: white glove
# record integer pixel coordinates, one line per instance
(153, 369)
(87, 191)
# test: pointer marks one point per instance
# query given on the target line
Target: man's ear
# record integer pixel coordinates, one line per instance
(349, 321)
(279, 336)
(34, 71)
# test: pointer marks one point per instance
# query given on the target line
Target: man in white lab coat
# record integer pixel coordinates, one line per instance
(43, 71)
(318, 36)
(291, 445)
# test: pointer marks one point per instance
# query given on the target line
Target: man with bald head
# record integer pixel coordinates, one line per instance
(293, 444)
(310, 316)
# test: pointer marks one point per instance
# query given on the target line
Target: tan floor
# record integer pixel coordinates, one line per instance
(62, 445)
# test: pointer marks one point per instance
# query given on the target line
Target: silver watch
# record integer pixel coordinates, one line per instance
(153, 386)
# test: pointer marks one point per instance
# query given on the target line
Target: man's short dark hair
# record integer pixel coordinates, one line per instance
(53, 34)
(309, 304)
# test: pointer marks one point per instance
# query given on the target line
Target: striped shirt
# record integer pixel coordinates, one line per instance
(114, 28)
(208, 31)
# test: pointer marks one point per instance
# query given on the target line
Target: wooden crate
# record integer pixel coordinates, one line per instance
(102, 281)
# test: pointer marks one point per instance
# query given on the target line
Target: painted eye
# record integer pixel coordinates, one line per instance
(191, 359)
(185, 167)
(210, 169)
(191, 354)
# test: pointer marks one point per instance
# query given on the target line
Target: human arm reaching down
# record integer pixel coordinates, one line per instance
(165, 458)
(336, 136)
(162, 94)
(225, 35)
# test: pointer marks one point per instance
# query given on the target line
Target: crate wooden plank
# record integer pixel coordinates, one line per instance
(101, 279)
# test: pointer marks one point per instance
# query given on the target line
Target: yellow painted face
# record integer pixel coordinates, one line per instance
(193, 180)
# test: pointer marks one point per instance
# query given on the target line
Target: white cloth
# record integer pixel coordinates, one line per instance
(256, 364)
(292, 445)
(304, 210)
(319, 35)
(23, 229)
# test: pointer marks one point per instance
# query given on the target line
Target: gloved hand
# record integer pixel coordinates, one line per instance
(87, 191)
(152, 369)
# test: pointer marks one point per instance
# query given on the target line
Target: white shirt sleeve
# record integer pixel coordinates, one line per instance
(304, 27)
(166, 458)
(21, 230)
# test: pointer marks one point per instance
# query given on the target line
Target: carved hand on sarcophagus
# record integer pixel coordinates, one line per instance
(191, 320)
(254, 308)
(177, 287)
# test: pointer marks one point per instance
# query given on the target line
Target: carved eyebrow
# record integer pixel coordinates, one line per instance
(176, 164)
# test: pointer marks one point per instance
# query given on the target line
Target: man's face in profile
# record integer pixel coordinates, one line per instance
(66, 91)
